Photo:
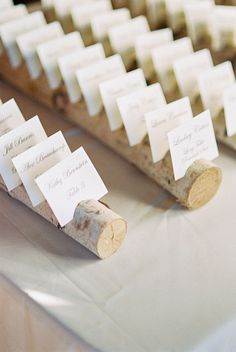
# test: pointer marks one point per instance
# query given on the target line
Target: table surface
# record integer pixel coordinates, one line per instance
(170, 288)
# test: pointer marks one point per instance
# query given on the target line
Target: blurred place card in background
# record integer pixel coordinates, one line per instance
(163, 120)
(230, 110)
(63, 7)
(134, 106)
(10, 116)
(12, 13)
(69, 182)
(38, 159)
(193, 140)
(5, 4)
(156, 12)
(15, 142)
(224, 31)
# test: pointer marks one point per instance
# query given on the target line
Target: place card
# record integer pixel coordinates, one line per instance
(223, 30)
(156, 12)
(187, 69)
(163, 120)
(113, 89)
(29, 41)
(230, 110)
(10, 30)
(80, 58)
(5, 4)
(145, 43)
(137, 7)
(12, 13)
(193, 140)
(133, 108)
(38, 159)
(47, 4)
(163, 58)
(212, 84)
(15, 142)
(52, 50)
(91, 76)
(175, 12)
(62, 8)
(101, 23)
(10, 116)
(69, 182)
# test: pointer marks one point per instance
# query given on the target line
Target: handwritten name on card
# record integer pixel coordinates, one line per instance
(10, 30)
(15, 142)
(187, 70)
(134, 106)
(69, 182)
(163, 120)
(12, 13)
(29, 41)
(163, 58)
(38, 159)
(212, 84)
(70, 63)
(51, 51)
(230, 110)
(113, 89)
(91, 76)
(10, 116)
(192, 141)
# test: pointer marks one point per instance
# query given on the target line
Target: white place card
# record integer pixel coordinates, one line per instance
(145, 43)
(163, 58)
(224, 31)
(70, 63)
(47, 4)
(81, 14)
(230, 110)
(212, 84)
(10, 30)
(192, 141)
(156, 12)
(113, 89)
(69, 182)
(133, 108)
(101, 23)
(163, 120)
(10, 116)
(52, 50)
(12, 13)
(63, 7)
(91, 76)
(38, 159)
(5, 3)
(15, 142)
(175, 12)
(187, 70)
(29, 41)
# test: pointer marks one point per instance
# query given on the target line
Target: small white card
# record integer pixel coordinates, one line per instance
(101, 23)
(63, 7)
(10, 116)
(82, 13)
(91, 76)
(175, 11)
(12, 13)
(29, 41)
(133, 108)
(161, 121)
(212, 84)
(156, 12)
(15, 142)
(38, 159)
(223, 29)
(5, 4)
(145, 43)
(70, 63)
(10, 30)
(69, 182)
(187, 70)
(51, 51)
(230, 110)
(163, 58)
(192, 141)
(113, 89)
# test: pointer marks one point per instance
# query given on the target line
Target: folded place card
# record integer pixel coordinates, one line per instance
(51, 51)
(10, 30)
(212, 84)
(175, 11)
(15, 142)
(12, 13)
(10, 116)
(193, 140)
(91, 76)
(163, 58)
(113, 89)
(101, 23)
(38, 159)
(156, 12)
(163, 120)
(230, 110)
(187, 70)
(133, 108)
(47, 4)
(29, 41)
(70, 63)
(145, 43)
(223, 30)
(69, 182)
(62, 8)
(5, 3)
